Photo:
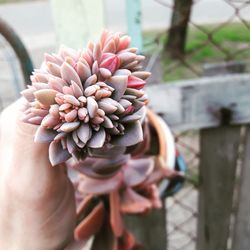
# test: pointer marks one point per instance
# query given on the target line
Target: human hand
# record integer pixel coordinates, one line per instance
(37, 206)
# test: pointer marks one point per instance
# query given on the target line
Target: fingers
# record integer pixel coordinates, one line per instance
(24, 164)
(19, 135)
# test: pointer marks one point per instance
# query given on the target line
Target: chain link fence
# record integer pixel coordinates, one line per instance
(11, 78)
(217, 42)
(221, 34)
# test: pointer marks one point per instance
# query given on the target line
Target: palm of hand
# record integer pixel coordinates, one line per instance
(37, 206)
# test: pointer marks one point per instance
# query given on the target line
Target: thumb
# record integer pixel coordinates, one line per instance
(20, 156)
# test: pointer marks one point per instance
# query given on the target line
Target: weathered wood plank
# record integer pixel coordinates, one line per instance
(195, 104)
(242, 227)
(149, 229)
(219, 151)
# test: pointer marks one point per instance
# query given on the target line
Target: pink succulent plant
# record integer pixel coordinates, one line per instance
(104, 199)
(90, 101)
(107, 189)
(89, 105)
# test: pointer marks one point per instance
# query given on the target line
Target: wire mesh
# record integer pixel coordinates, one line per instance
(222, 35)
(182, 207)
(218, 31)
(10, 74)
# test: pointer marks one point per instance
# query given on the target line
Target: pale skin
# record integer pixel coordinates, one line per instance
(37, 207)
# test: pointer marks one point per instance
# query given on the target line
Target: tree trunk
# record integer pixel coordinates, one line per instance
(175, 45)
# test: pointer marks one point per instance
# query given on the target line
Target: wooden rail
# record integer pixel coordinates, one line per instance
(219, 107)
(203, 102)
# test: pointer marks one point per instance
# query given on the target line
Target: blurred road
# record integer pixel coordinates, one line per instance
(33, 20)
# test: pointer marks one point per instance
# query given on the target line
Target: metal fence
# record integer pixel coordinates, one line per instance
(222, 45)
(222, 35)
(223, 41)
(10, 74)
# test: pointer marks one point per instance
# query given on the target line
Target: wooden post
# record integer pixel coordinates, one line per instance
(177, 33)
(242, 226)
(218, 160)
(219, 152)
(134, 23)
(150, 229)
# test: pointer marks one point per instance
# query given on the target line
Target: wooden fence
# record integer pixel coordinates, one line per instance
(219, 108)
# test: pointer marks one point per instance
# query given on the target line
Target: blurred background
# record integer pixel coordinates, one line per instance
(181, 39)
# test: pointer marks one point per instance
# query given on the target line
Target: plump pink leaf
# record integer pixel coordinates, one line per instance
(133, 134)
(71, 145)
(49, 121)
(83, 71)
(97, 52)
(100, 186)
(105, 73)
(138, 171)
(124, 43)
(92, 107)
(54, 69)
(115, 215)
(69, 126)
(76, 89)
(142, 74)
(110, 47)
(57, 154)
(133, 203)
(46, 96)
(106, 151)
(91, 224)
(28, 94)
(69, 74)
(135, 82)
(84, 133)
(98, 138)
(119, 83)
(111, 63)
(44, 135)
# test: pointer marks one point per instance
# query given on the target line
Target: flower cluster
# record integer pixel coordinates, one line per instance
(87, 100)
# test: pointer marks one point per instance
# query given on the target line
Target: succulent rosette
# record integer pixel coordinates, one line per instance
(104, 198)
(88, 102)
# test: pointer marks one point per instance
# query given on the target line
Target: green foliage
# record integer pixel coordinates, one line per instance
(230, 42)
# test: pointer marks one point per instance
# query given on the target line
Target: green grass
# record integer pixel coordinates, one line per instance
(231, 42)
